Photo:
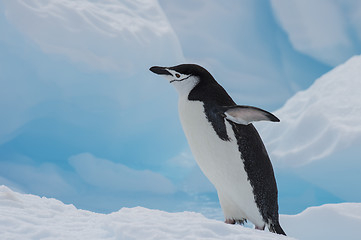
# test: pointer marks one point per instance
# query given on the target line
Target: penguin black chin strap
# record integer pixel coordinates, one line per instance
(179, 80)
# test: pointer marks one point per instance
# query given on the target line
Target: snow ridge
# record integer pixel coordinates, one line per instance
(319, 121)
(25, 216)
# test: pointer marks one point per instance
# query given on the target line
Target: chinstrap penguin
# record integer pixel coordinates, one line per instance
(226, 146)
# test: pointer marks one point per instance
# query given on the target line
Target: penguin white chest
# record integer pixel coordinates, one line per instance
(220, 161)
(217, 158)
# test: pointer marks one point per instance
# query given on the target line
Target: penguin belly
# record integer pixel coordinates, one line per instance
(221, 162)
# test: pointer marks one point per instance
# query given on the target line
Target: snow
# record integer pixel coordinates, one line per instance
(25, 216)
(319, 135)
(320, 120)
(330, 221)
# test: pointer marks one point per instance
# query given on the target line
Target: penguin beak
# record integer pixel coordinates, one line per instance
(160, 70)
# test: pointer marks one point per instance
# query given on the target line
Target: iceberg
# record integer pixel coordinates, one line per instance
(319, 135)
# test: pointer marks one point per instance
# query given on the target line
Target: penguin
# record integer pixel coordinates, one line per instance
(226, 146)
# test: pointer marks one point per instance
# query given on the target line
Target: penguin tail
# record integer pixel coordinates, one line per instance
(276, 228)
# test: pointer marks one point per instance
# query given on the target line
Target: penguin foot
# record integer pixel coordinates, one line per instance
(236, 221)
(259, 228)
(230, 221)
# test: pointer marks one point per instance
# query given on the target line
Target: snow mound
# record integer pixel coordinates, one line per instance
(25, 216)
(318, 140)
(319, 121)
(330, 221)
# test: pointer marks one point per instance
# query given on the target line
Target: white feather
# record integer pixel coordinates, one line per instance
(220, 161)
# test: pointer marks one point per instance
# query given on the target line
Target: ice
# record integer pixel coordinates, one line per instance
(105, 174)
(319, 135)
(59, 43)
(75, 29)
(321, 30)
(74, 79)
(244, 47)
(320, 120)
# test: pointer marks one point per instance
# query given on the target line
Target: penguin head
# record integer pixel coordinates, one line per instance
(183, 77)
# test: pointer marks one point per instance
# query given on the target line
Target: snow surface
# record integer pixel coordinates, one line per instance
(330, 221)
(25, 216)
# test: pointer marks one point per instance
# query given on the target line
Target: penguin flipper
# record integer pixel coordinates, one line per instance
(246, 114)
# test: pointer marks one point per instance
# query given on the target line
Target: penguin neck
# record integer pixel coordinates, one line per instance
(212, 93)
(185, 87)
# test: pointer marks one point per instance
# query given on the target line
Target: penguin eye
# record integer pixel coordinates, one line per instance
(177, 75)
